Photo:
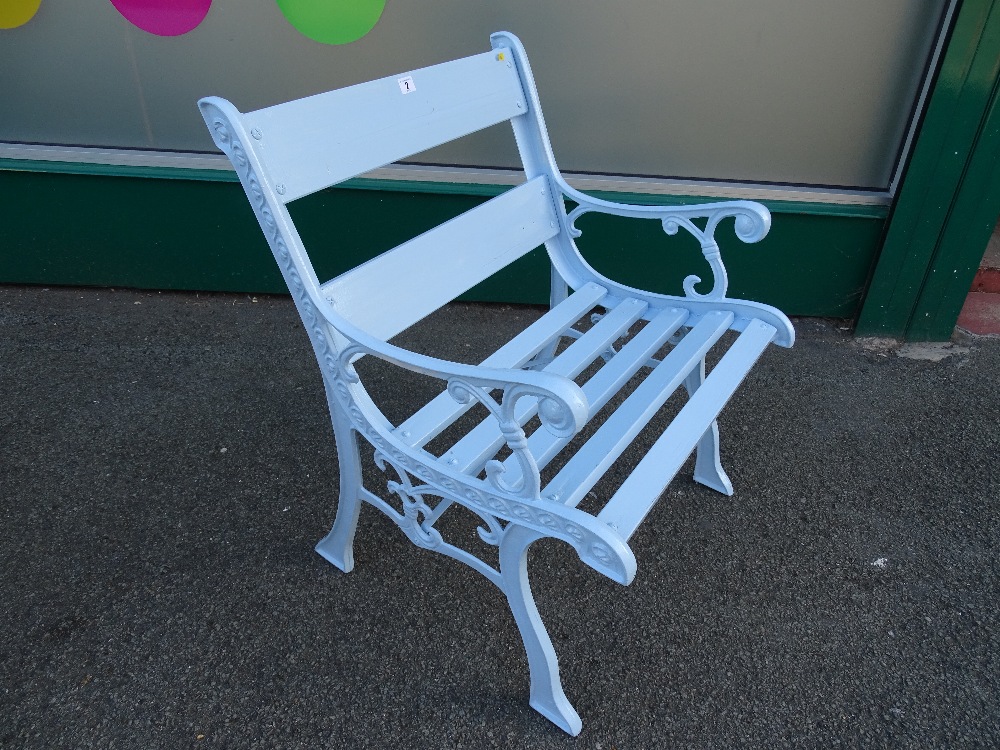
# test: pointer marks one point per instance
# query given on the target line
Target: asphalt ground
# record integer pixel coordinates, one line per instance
(166, 466)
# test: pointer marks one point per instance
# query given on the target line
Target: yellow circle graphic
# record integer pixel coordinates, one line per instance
(14, 13)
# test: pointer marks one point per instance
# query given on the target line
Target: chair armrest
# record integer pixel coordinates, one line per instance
(563, 409)
(753, 221)
(562, 406)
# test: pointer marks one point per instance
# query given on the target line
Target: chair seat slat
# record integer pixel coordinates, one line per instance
(637, 494)
(481, 443)
(594, 457)
(606, 383)
(429, 421)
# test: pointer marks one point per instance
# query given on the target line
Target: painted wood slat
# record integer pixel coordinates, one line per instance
(393, 291)
(430, 420)
(635, 497)
(605, 383)
(481, 443)
(312, 143)
(595, 457)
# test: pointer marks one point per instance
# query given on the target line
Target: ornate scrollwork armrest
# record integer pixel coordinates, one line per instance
(562, 408)
(562, 405)
(752, 222)
(558, 414)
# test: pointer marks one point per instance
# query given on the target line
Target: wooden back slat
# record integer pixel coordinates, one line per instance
(312, 143)
(396, 289)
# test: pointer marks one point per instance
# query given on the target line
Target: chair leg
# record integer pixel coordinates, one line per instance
(338, 545)
(546, 696)
(558, 292)
(708, 463)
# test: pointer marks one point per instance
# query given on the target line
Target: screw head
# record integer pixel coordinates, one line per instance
(256, 133)
(280, 189)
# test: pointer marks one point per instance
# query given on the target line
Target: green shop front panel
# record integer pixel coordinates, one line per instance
(191, 234)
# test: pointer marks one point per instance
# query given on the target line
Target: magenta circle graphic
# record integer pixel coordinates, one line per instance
(164, 17)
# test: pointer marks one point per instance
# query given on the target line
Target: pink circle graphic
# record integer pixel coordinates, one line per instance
(164, 17)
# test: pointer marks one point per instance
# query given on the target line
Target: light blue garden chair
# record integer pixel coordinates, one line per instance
(565, 369)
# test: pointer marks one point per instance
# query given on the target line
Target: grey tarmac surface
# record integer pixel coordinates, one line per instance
(166, 466)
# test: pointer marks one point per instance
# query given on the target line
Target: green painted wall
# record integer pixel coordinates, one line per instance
(200, 234)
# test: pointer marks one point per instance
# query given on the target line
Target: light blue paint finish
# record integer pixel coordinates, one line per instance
(479, 445)
(428, 422)
(473, 247)
(290, 150)
(637, 494)
(597, 455)
(610, 379)
(312, 143)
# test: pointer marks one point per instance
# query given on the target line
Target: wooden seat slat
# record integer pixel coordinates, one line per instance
(607, 381)
(637, 494)
(594, 457)
(481, 443)
(443, 410)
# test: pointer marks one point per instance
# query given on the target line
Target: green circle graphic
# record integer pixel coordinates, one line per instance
(332, 21)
